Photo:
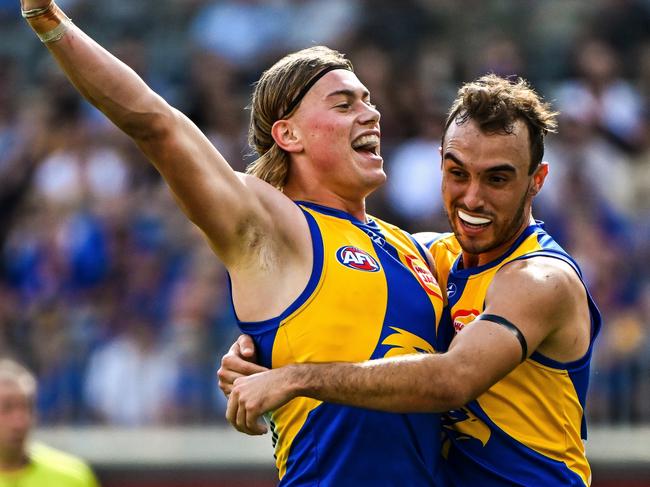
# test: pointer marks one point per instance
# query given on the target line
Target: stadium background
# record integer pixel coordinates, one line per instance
(117, 302)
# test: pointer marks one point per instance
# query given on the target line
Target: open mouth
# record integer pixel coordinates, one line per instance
(473, 221)
(367, 143)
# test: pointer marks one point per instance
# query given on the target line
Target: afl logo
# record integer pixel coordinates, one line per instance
(358, 259)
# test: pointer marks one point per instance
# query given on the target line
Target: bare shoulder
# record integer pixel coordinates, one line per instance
(544, 279)
(547, 298)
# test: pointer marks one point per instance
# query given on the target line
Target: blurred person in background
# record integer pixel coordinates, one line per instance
(295, 238)
(130, 380)
(600, 98)
(21, 463)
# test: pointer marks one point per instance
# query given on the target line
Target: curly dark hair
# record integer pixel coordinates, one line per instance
(496, 103)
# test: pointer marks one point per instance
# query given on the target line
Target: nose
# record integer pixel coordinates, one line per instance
(473, 197)
(20, 420)
(370, 115)
(20, 423)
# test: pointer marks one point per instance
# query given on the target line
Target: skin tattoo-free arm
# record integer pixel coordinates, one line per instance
(234, 210)
(540, 296)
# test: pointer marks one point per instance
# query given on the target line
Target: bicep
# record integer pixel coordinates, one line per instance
(234, 211)
(482, 354)
(530, 296)
(520, 313)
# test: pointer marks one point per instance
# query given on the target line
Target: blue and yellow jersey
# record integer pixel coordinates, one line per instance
(370, 295)
(528, 428)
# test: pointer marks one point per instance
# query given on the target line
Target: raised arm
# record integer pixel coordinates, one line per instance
(233, 210)
(544, 299)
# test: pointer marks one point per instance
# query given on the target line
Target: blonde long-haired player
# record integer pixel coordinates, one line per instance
(314, 278)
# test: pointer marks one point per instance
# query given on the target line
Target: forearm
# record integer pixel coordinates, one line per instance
(478, 358)
(410, 383)
(109, 84)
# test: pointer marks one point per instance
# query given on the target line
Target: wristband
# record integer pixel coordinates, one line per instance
(49, 23)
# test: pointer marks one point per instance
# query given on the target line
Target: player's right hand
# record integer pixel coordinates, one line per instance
(238, 362)
(257, 394)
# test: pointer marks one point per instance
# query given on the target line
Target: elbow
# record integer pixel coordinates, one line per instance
(455, 392)
(458, 399)
(153, 124)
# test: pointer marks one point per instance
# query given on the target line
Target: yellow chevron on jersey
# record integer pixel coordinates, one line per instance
(404, 342)
(528, 428)
(370, 295)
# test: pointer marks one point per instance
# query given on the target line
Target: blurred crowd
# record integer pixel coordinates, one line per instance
(115, 299)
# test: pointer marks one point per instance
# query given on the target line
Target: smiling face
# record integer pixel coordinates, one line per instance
(336, 137)
(486, 188)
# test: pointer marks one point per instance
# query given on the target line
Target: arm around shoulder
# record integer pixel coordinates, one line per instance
(539, 298)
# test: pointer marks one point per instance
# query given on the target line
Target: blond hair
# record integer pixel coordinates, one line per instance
(276, 96)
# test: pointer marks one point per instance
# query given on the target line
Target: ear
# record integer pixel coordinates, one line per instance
(539, 176)
(286, 136)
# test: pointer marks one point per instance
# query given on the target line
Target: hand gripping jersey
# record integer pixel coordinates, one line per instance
(527, 429)
(370, 295)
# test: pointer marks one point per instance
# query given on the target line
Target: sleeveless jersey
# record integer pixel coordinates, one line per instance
(528, 428)
(370, 295)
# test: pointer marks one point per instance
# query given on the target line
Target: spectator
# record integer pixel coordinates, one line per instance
(21, 463)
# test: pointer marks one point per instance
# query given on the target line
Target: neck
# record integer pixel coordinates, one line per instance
(477, 260)
(10, 461)
(323, 196)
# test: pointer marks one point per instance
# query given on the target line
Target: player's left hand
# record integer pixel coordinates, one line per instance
(239, 361)
(255, 395)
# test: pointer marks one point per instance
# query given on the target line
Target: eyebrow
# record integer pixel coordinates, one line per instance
(348, 93)
(499, 168)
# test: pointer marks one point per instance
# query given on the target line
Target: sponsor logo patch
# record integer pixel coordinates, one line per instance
(422, 272)
(358, 259)
(464, 317)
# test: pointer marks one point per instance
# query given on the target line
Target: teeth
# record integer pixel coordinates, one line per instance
(366, 141)
(472, 220)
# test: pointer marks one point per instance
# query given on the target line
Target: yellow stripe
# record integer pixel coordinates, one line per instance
(547, 414)
(289, 420)
(329, 326)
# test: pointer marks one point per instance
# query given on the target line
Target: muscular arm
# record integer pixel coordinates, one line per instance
(233, 210)
(539, 296)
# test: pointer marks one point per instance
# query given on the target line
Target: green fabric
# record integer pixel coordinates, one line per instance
(50, 468)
